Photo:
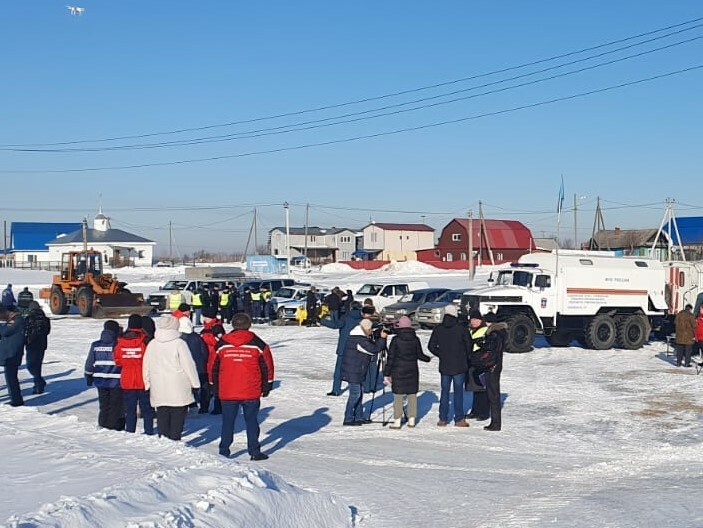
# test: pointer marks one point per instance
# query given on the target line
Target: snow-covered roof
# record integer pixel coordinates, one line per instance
(95, 236)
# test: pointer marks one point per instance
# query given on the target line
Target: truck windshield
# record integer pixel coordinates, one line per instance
(369, 289)
(514, 278)
(174, 285)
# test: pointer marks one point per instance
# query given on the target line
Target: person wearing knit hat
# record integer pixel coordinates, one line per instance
(134, 322)
(475, 314)
(211, 333)
(480, 407)
(170, 376)
(199, 352)
(451, 309)
(129, 356)
(101, 372)
(359, 352)
(37, 329)
(451, 343)
(490, 362)
(243, 373)
(401, 371)
(149, 328)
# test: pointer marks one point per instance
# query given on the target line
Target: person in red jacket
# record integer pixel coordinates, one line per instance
(698, 333)
(211, 333)
(129, 355)
(243, 373)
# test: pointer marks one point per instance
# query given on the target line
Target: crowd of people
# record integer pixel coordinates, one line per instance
(157, 369)
(470, 359)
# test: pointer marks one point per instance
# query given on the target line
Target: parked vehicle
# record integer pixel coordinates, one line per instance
(296, 292)
(408, 303)
(272, 284)
(601, 300)
(286, 310)
(430, 314)
(383, 294)
(159, 300)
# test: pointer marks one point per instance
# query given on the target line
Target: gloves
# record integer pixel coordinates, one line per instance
(89, 380)
(266, 389)
(387, 380)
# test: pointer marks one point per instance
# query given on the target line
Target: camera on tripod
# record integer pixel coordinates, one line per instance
(381, 326)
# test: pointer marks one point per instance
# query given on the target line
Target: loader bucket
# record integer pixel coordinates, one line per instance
(119, 304)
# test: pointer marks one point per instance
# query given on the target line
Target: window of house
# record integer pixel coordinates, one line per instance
(450, 257)
(456, 237)
(462, 256)
(499, 256)
(345, 239)
(312, 238)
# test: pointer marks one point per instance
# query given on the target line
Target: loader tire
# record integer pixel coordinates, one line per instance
(57, 302)
(600, 332)
(84, 302)
(521, 334)
(633, 331)
(560, 339)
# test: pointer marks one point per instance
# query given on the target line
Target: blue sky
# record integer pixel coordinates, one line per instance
(133, 68)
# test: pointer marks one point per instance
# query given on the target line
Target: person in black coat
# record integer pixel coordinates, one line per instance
(334, 302)
(451, 343)
(37, 329)
(359, 351)
(11, 351)
(311, 308)
(492, 362)
(475, 378)
(401, 370)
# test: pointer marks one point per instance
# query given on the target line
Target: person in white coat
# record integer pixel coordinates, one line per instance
(170, 376)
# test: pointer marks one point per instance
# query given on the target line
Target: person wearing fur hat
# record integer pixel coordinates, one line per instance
(401, 370)
(199, 351)
(243, 372)
(170, 375)
(102, 373)
(37, 329)
(475, 378)
(451, 343)
(129, 356)
(211, 333)
(359, 352)
(491, 361)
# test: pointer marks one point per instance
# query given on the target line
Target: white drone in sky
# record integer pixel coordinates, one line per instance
(76, 11)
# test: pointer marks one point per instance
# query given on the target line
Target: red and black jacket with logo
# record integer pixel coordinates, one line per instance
(243, 368)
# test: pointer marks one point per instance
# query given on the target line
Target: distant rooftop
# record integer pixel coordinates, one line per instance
(95, 236)
(33, 236)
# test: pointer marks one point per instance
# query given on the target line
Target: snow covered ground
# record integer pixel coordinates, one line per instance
(606, 439)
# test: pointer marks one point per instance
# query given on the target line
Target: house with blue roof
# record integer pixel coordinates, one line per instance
(690, 229)
(119, 248)
(28, 241)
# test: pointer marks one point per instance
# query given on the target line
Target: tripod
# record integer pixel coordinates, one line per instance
(380, 366)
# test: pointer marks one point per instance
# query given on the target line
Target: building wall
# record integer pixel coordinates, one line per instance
(108, 252)
(335, 246)
(22, 257)
(396, 245)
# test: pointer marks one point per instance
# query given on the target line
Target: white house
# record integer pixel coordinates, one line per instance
(322, 246)
(119, 248)
(383, 241)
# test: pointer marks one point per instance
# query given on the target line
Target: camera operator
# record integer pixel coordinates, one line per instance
(359, 352)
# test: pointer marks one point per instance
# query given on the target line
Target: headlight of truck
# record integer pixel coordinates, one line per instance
(402, 311)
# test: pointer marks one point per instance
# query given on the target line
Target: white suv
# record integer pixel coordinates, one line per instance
(384, 294)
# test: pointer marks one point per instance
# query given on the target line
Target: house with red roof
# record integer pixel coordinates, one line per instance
(384, 241)
(507, 240)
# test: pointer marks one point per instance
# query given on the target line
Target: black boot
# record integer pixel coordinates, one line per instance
(492, 427)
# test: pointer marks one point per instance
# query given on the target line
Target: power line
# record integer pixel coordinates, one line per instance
(331, 121)
(367, 136)
(366, 99)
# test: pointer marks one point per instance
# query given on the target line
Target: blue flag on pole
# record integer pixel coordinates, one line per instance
(560, 202)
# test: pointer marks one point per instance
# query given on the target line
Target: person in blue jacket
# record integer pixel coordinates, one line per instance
(344, 324)
(101, 371)
(359, 351)
(8, 298)
(11, 351)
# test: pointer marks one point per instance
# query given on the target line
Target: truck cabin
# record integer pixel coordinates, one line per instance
(81, 263)
(524, 275)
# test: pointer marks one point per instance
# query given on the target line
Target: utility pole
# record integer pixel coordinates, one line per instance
(256, 237)
(599, 227)
(484, 231)
(170, 243)
(285, 206)
(4, 240)
(471, 245)
(307, 213)
(576, 231)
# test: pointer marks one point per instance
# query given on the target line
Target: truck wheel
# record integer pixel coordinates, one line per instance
(633, 332)
(84, 302)
(57, 302)
(600, 332)
(521, 334)
(560, 339)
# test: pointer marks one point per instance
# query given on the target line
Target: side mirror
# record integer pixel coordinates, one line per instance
(490, 278)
